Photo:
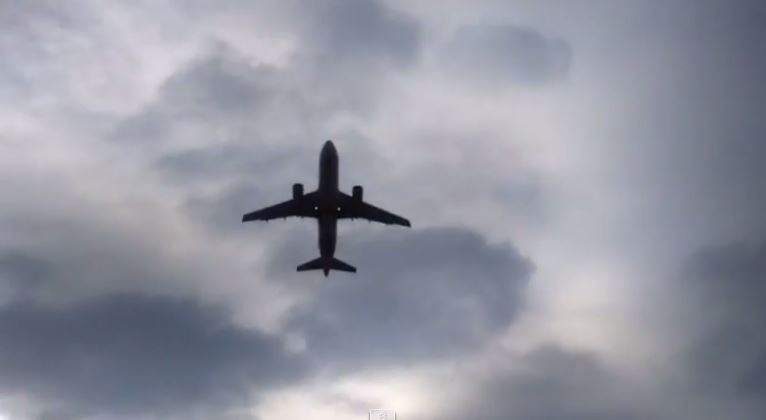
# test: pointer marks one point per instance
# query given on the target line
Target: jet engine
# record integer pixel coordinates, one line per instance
(357, 192)
(297, 191)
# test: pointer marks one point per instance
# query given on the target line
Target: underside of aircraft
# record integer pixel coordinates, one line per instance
(327, 204)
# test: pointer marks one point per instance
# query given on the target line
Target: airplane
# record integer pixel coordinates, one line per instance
(327, 204)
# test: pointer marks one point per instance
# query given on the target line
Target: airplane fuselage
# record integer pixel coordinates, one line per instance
(327, 204)
(327, 207)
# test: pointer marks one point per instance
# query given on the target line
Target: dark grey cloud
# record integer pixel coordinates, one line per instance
(349, 49)
(694, 124)
(69, 256)
(222, 98)
(332, 33)
(366, 30)
(133, 355)
(220, 116)
(491, 53)
(727, 287)
(23, 272)
(219, 87)
(551, 383)
(696, 158)
(88, 325)
(417, 294)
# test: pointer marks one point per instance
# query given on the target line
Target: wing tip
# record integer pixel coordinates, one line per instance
(249, 218)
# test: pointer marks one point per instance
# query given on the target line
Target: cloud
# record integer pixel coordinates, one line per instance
(490, 53)
(365, 30)
(418, 294)
(22, 272)
(690, 122)
(227, 97)
(221, 115)
(134, 355)
(217, 87)
(728, 289)
(652, 147)
(71, 256)
(549, 383)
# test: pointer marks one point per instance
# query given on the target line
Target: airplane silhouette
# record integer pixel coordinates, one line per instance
(327, 204)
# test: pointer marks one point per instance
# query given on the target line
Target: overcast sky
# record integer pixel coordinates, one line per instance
(584, 181)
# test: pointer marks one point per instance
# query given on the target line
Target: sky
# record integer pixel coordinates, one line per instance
(588, 239)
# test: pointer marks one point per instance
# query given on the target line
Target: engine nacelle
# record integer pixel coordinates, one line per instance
(297, 191)
(357, 192)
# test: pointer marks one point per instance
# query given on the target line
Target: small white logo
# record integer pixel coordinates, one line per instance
(382, 414)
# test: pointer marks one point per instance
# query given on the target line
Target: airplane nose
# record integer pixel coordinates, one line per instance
(329, 149)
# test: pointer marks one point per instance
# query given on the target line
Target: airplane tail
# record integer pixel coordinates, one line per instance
(327, 264)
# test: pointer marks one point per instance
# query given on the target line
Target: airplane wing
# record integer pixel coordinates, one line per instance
(357, 209)
(296, 207)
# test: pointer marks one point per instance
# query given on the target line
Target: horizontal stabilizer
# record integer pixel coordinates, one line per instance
(327, 264)
(311, 265)
(339, 265)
